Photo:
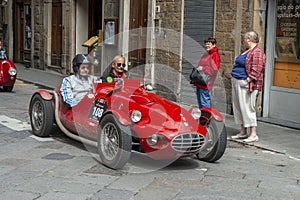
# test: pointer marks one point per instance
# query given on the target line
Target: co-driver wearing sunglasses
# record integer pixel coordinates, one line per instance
(117, 70)
(119, 64)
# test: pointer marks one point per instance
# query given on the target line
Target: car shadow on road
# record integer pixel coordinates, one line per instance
(139, 160)
(58, 135)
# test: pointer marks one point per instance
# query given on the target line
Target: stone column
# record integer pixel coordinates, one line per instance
(38, 34)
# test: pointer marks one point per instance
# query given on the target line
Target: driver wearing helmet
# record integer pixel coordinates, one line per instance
(76, 86)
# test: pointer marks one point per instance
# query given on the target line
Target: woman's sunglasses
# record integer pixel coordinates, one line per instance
(119, 64)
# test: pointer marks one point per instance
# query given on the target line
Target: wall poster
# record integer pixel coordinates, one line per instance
(110, 31)
(287, 46)
(288, 31)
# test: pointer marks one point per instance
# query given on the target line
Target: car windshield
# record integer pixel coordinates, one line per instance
(108, 74)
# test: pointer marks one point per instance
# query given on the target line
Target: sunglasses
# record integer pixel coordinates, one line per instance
(119, 64)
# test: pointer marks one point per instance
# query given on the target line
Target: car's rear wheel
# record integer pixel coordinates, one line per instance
(114, 142)
(217, 142)
(41, 116)
(8, 88)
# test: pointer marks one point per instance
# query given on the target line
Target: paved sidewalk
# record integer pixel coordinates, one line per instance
(274, 135)
(48, 79)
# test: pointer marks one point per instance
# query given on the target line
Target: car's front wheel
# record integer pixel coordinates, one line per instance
(114, 142)
(216, 137)
(8, 88)
(41, 116)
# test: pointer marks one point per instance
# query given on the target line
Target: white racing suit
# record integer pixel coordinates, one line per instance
(75, 87)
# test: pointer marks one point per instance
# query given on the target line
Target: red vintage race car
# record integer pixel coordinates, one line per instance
(123, 117)
(8, 73)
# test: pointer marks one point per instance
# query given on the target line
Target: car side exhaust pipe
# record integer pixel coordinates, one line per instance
(66, 131)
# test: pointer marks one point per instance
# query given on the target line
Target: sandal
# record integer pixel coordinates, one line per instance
(238, 136)
(251, 139)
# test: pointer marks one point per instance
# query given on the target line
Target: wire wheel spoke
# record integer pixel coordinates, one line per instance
(38, 115)
(110, 141)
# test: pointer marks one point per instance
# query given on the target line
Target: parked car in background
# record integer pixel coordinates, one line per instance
(8, 72)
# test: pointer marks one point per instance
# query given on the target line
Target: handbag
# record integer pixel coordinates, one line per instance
(199, 77)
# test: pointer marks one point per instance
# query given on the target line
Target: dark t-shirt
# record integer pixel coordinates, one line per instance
(108, 75)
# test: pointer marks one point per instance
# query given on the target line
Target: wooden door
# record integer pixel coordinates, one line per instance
(138, 38)
(95, 27)
(95, 17)
(19, 39)
(56, 34)
(22, 31)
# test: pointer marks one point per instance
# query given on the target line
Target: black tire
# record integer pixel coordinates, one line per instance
(214, 150)
(114, 142)
(41, 116)
(8, 88)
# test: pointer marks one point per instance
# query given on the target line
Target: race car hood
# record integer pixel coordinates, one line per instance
(143, 99)
(156, 103)
(163, 113)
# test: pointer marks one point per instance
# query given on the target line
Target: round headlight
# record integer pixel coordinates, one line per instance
(196, 113)
(136, 116)
(152, 140)
(12, 71)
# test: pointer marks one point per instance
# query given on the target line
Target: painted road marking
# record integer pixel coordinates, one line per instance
(14, 124)
(21, 84)
(18, 125)
(42, 139)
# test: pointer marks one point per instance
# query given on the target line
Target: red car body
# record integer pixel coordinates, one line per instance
(174, 129)
(8, 74)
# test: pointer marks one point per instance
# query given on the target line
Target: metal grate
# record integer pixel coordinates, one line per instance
(189, 142)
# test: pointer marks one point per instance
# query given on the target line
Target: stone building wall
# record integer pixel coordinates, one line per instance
(68, 35)
(170, 16)
(4, 27)
(111, 9)
(233, 19)
(38, 33)
(168, 44)
(41, 29)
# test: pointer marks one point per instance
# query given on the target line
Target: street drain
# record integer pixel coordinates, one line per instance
(58, 156)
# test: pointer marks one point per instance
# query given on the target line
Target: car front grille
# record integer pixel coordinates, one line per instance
(189, 142)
